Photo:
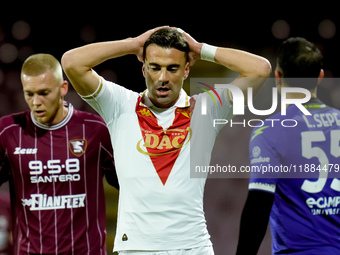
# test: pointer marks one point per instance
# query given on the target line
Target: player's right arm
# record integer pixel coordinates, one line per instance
(261, 194)
(254, 221)
(4, 169)
(78, 63)
(4, 163)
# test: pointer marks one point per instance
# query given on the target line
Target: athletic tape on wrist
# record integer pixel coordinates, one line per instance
(208, 52)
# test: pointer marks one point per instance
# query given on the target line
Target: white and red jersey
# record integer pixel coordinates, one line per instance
(56, 177)
(160, 203)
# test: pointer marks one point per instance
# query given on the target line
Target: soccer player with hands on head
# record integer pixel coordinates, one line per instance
(54, 158)
(155, 134)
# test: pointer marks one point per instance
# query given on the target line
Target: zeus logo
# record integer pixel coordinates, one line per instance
(22, 151)
(239, 101)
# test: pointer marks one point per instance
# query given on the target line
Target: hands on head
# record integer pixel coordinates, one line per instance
(195, 47)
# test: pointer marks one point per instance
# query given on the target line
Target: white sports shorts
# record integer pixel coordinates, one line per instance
(206, 250)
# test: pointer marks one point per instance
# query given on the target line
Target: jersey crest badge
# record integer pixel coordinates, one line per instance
(78, 147)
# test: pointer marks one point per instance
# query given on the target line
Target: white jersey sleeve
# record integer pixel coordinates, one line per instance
(108, 100)
(216, 111)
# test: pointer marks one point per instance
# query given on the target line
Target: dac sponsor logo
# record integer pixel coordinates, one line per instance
(172, 140)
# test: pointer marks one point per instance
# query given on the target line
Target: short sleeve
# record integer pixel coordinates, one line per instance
(226, 109)
(109, 99)
(215, 105)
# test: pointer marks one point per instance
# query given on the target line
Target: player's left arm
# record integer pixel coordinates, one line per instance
(253, 69)
(109, 169)
(110, 173)
(108, 165)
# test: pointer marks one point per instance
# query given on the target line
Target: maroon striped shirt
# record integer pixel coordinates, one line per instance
(56, 178)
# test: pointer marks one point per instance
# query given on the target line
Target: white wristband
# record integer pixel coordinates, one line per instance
(208, 52)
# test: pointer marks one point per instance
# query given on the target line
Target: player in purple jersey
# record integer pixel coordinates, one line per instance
(299, 192)
(54, 158)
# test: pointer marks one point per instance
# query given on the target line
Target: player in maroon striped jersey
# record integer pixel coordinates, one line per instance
(54, 158)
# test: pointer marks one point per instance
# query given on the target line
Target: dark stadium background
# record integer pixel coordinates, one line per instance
(258, 28)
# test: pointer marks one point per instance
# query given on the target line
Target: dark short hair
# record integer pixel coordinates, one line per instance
(299, 58)
(168, 38)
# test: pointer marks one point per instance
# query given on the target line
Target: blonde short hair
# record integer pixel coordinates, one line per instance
(38, 64)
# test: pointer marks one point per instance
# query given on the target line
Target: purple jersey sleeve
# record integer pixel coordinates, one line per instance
(264, 159)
